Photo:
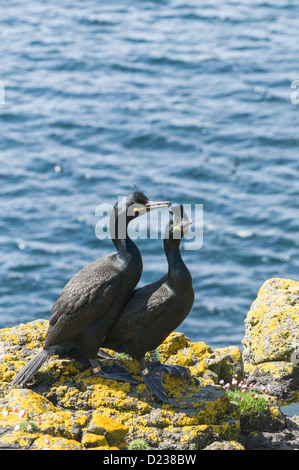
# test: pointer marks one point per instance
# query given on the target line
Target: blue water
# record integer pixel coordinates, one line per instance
(189, 100)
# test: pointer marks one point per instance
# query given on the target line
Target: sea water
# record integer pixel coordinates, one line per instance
(194, 102)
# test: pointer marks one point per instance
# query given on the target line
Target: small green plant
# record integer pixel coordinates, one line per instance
(45, 377)
(123, 356)
(139, 444)
(251, 403)
(28, 426)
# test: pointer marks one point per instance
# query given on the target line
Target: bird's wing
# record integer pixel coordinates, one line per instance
(86, 297)
(143, 308)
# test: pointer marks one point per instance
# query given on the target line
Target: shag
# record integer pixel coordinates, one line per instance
(157, 309)
(92, 299)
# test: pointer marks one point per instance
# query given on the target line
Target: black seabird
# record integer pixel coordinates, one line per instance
(92, 299)
(157, 309)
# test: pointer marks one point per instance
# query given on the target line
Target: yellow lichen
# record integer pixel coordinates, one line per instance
(11, 420)
(227, 428)
(47, 442)
(57, 424)
(190, 433)
(18, 439)
(272, 323)
(105, 414)
(94, 440)
(29, 400)
(173, 343)
(114, 431)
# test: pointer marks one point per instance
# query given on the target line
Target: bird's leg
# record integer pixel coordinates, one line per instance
(172, 369)
(75, 354)
(153, 382)
(112, 372)
(96, 368)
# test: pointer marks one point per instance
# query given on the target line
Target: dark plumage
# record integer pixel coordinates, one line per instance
(92, 299)
(157, 309)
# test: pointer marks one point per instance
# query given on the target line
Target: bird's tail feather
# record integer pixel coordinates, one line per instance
(31, 368)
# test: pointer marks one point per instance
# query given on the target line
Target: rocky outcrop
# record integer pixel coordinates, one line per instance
(271, 342)
(67, 407)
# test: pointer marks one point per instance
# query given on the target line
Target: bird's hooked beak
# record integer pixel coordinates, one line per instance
(151, 205)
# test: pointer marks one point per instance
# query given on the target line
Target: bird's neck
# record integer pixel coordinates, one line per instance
(178, 272)
(126, 248)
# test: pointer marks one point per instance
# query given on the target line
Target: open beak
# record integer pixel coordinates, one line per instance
(183, 225)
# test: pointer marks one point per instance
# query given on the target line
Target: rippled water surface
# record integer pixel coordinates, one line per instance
(189, 100)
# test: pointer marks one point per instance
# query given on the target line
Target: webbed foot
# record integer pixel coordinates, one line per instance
(113, 372)
(172, 369)
(154, 383)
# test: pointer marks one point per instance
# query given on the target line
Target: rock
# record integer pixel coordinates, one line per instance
(286, 439)
(93, 440)
(113, 431)
(68, 407)
(225, 445)
(270, 356)
(202, 361)
(46, 442)
(271, 342)
(270, 420)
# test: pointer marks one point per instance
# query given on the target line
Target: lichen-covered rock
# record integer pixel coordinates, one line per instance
(225, 445)
(284, 439)
(67, 407)
(203, 362)
(46, 442)
(271, 343)
(113, 431)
